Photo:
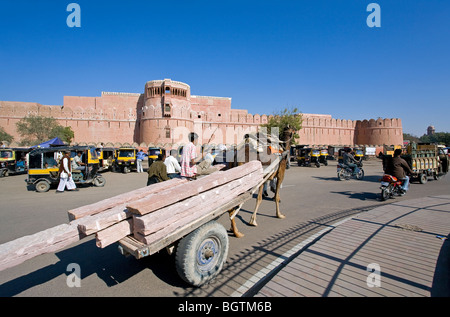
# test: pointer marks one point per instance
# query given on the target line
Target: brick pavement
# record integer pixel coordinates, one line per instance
(399, 239)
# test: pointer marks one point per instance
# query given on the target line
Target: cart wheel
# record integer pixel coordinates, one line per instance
(42, 186)
(423, 178)
(99, 181)
(201, 254)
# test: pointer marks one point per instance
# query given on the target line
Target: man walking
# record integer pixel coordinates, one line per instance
(65, 175)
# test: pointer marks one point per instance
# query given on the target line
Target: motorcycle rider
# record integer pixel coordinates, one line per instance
(398, 168)
(349, 160)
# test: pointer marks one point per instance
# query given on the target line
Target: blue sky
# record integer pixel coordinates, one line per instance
(319, 56)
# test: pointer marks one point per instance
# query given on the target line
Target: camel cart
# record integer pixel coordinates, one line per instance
(200, 246)
(176, 215)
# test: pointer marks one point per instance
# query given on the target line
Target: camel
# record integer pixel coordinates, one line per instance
(243, 155)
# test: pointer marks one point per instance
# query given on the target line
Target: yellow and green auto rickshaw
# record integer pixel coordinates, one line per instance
(125, 160)
(43, 169)
(13, 161)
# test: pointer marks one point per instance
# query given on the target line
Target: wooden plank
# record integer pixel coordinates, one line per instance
(182, 231)
(92, 224)
(161, 218)
(51, 240)
(176, 194)
(114, 233)
(150, 229)
(108, 203)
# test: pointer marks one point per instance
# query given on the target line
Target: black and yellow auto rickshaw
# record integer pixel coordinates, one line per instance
(153, 153)
(125, 160)
(307, 156)
(106, 157)
(13, 161)
(43, 170)
(323, 158)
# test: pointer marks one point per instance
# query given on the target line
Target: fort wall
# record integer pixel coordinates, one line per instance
(166, 112)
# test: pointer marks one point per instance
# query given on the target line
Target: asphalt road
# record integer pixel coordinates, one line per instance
(311, 198)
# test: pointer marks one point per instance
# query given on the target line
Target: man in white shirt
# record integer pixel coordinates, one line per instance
(173, 167)
(65, 174)
(77, 163)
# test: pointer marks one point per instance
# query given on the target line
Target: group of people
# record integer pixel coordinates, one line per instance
(165, 168)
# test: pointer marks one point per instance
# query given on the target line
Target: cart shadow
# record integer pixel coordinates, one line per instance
(369, 178)
(108, 264)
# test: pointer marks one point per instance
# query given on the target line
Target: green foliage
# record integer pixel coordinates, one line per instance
(286, 117)
(64, 133)
(5, 136)
(438, 137)
(38, 129)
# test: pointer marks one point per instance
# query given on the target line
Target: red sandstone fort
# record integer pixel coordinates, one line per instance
(166, 112)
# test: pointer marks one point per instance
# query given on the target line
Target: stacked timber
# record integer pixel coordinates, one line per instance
(158, 215)
(148, 214)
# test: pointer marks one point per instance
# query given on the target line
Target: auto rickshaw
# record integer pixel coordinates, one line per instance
(359, 153)
(153, 153)
(323, 156)
(43, 170)
(307, 156)
(125, 160)
(13, 160)
(106, 157)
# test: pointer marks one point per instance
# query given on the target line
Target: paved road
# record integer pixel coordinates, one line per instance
(311, 198)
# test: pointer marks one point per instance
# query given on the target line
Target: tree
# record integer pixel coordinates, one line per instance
(411, 138)
(38, 129)
(438, 137)
(286, 117)
(66, 134)
(5, 136)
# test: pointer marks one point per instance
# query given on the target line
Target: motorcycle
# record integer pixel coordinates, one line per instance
(345, 172)
(391, 186)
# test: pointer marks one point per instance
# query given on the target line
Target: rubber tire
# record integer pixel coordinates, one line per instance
(341, 175)
(126, 169)
(42, 186)
(423, 178)
(189, 249)
(99, 181)
(360, 175)
(385, 194)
